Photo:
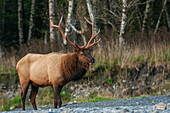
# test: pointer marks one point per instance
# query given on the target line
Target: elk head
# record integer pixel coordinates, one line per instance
(83, 52)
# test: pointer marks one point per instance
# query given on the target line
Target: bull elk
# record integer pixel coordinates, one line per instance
(54, 69)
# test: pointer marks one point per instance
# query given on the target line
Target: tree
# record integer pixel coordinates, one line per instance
(167, 16)
(146, 15)
(70, 11)
(157, 25)
(20, 22)
(123, 23)
(92, 16)
(31, 21)
(51, 16)
(81, 12)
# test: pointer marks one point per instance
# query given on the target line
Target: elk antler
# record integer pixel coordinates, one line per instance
(74, 44)
(65, 37)
(81, 33)
(93, 35)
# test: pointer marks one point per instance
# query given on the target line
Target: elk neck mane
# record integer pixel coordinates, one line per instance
(72, 68)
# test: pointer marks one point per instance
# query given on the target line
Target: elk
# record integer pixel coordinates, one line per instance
(54, 69)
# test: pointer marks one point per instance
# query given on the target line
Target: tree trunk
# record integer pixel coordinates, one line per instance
(3, 12)
(123, 24)
(81, 12)
(146, 15)
(159, 19)
(1, 52)
(51, 16)
(20, 21)
(92, 16)
(70, 11)
(139, 17)
(31, 20)
(45, 37)
(167, 16)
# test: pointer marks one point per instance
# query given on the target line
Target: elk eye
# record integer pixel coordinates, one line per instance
(82, 54)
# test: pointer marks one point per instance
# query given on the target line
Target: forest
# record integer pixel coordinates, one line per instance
(135, 39)
(30, 22)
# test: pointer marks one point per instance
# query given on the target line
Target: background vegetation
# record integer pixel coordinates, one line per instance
(141, 46)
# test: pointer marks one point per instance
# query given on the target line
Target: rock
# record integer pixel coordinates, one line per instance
(168, 105)
(161, 106)
(75, 101)
(155, 111)
(124, 81)
(71, 88)
(124, 111)
(50, 110)
(137, 103)
(70, 103)
(12, 107)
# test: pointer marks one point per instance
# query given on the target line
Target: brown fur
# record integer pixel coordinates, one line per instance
(53, 69)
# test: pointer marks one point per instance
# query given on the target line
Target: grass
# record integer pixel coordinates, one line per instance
(151, 48)
(7, 103)
(142, 96)
(97, 98)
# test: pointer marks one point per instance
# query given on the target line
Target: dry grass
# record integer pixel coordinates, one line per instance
(138, 48)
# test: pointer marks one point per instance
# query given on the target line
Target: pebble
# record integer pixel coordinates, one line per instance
(161, 106)
(124, 111)
(115, 106)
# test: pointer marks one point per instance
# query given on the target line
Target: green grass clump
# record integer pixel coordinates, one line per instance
(64, 95)
(97, 98)
(6, 103)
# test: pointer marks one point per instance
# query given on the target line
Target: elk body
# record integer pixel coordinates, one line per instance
(53, 69)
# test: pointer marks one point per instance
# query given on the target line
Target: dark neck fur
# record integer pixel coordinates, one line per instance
(71, 68)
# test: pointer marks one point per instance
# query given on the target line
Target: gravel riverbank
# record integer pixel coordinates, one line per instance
(152, 104)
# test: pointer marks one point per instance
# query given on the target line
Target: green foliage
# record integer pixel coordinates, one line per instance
(7, 103)
(166, 56)
(107, 67)
(115, 61)
(99, 65)
(97, 98)
(150, 101)
(139, 59)
(142, 96)
(16, 100)
(109, 81)
(64, 95)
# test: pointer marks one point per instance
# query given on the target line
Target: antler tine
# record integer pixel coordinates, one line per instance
(87, 20)
(57, 26)
(93, 36)
(94, 43)
(65, 37)
(81, 33)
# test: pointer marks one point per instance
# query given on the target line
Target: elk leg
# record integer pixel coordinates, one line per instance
(60, 102)
(57, 98)
(34, 91)
(23, 94)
